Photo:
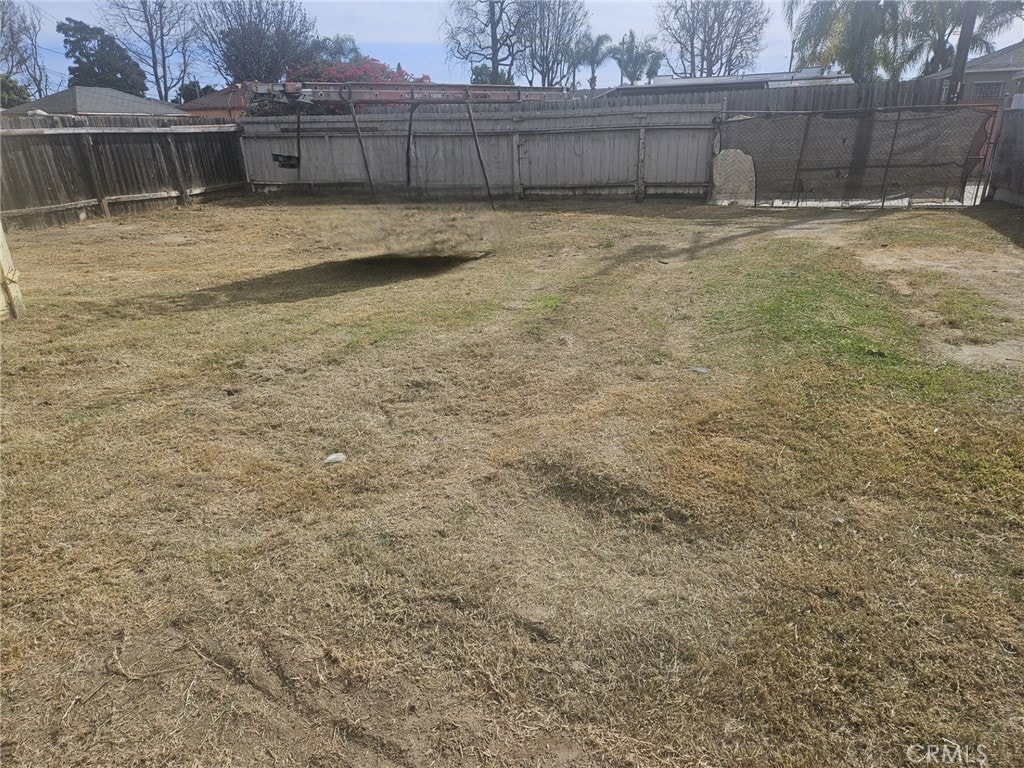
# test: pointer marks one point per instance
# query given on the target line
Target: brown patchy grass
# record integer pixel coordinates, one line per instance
(554, 543)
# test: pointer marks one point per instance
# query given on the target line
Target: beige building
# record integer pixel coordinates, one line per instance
(990, 78)
(231, 102)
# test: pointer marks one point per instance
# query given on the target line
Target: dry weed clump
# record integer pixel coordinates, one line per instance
(625, 485)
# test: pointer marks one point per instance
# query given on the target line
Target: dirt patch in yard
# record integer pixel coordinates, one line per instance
(935, 265)
(643, 485)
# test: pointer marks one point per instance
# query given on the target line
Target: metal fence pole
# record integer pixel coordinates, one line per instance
(800, 159)
(888, 160)
(409, 149)
(362, 146)
(479, 153)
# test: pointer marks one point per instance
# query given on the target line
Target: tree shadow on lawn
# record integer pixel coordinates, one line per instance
(1005, 219)
(329, 278)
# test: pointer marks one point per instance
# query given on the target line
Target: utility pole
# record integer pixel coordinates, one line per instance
(963, 47)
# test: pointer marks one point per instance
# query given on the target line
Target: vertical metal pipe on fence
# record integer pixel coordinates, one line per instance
(888, 161)
(479, 153)
(408, 148)
(992, 146)
(800, 159)
(362, 146)
(298, 138)
(641, 150)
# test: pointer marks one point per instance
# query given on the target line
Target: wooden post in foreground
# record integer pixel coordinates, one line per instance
(11, 303)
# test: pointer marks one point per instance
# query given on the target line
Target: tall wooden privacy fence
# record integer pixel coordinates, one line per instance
(661, 150)
(56, 170)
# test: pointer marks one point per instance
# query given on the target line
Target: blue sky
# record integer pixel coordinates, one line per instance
(409, 33)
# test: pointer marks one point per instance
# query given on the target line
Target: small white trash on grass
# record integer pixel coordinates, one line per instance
(335, 458)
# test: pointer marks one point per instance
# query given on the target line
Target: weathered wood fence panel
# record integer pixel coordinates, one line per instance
(54, 171)
(525, 153)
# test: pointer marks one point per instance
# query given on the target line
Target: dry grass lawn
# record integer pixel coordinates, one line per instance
(626, 485)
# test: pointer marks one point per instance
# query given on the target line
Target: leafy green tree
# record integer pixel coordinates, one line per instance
(193, 90)
(12, 93)
(98, 60)
(482, 75)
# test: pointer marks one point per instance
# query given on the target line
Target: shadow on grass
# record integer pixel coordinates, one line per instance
(1005, 219)
(329, 278)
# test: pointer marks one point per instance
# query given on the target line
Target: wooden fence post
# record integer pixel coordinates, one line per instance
(641, 151)
(517, 181)
(13, 304)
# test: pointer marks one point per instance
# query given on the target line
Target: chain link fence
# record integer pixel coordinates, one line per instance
(903, 156)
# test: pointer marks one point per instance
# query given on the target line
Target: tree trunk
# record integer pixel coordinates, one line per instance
(492, 22)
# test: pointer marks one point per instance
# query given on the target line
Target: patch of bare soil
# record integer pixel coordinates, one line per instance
(992, 271)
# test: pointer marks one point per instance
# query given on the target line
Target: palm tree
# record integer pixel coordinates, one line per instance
(865, 36)
(654, 66)
(634, 56)
(593, 52)
(847, 33)
(932, 25)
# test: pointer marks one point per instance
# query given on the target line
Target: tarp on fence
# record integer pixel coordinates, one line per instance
(1008, 169)
(921, 153)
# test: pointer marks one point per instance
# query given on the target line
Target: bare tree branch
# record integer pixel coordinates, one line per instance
(484, 32)
(20, 57)
(246, 40)
(551, 32)
(158, 34)
(707, 38)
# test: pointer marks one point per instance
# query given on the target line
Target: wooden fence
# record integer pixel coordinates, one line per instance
(737, 99)
(56, 170)
(661, 150)
(804, 98)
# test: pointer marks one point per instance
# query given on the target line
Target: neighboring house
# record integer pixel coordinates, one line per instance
(801, 77)
(82, 100)
(991, 77)
(231, 102)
